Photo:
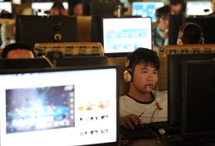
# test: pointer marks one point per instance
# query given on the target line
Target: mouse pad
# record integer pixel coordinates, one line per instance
(136, 134)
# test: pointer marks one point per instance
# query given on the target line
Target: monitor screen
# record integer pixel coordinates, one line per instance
(60, 107)
(145, 9)
(124, 35)
(198, 7)
(198, 97)
(7, 6)
(43, 7)
(42, 29)
(175, 83)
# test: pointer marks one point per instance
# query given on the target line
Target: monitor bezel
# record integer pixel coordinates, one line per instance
(123, 54)
(184, 135)
(44, 70)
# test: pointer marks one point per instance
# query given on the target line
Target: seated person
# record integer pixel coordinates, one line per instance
(77, 8)
(160, 32)
(142, 104)
(213, 8)
(190, 33)
(178, 7)
(17, 50)
(58, 9)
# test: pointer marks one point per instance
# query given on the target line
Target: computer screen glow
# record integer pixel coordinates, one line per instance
(198, 7)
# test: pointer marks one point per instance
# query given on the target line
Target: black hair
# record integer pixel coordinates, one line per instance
(75, 2)
(192, 34)
(59, 6)
(15, 46)
(175, 2)
(163, 11)
(143, 55)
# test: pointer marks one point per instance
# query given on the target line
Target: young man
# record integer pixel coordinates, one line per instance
(142, 104)
(77, 8)
(178, 7)
(17, 50)
(160, 32)
(190, 33)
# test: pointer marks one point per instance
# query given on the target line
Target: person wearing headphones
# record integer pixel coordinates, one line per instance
(160, 32)
(18, 50)
(142, 104)
(58, 10)
(190, 33)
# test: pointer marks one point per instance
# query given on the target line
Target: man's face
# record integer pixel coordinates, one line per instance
(19, 53)
(78, 10)
(164, 22)
(144, 76)
(176, 8)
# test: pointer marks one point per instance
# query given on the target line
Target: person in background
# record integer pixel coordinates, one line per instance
(190, 33)
(18, 50)
(213, 9)
(178, 7)
(58, 10)
(76, 8)
(142, 104)
(160, 32)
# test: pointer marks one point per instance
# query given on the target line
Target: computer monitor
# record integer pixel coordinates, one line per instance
(59, 107)
(198, 7)
(145, 9)
(82, 61)
(198, 98)
(7, 6)
(175, 23)
(175, 83)
(44, 6)
(23, 63)
(207, 28)
(128, 35)
(42, 29)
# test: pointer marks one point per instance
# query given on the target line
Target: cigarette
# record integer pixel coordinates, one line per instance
(147, 87)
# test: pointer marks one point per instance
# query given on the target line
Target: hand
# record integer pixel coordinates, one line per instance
(129, 121)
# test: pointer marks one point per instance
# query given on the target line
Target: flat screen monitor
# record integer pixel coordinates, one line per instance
(145, 9)
(198, 98)
(42, 29)
(124, 35)
(82, 61)
(175, 83)
(7, 6)
(50, 106)
(44, 6)
(198, 7)
(207, 28)
(175, 23)
(23, 63)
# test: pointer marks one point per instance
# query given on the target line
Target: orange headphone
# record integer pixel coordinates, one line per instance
(181, 33)
(127, 74)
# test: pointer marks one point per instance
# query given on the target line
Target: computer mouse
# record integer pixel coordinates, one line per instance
(139, 127)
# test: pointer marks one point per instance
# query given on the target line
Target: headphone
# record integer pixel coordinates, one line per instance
(181, 33)
(128, 74)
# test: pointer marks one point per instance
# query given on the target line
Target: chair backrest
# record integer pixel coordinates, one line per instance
(186, 49)
(73, 48)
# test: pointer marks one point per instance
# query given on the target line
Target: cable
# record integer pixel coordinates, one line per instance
(50, 63)
(158, 140)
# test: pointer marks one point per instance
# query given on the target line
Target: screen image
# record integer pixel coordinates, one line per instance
(128, 35)
(145, 9)
(197, 8)
(44, 6)
(59, 108)
(30, 109)
(7, 6)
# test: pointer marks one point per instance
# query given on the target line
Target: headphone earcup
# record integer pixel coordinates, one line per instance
(127, 74)
(179, 41)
